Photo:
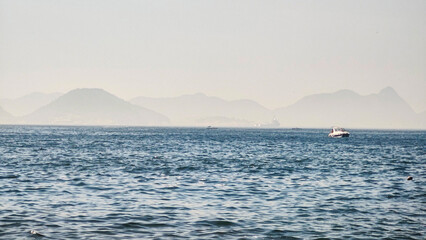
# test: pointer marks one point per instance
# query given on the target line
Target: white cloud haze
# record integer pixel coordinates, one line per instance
(274, 52)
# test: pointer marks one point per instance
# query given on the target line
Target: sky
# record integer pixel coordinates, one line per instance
(273, 52)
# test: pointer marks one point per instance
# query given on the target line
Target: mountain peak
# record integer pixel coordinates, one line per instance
(388, 91)
(88, 90)
(94, 106)
(91, 94)
(200, 94)
(345, 92)
(385, 109)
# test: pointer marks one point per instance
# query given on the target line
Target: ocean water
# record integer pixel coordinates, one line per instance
(194, 183)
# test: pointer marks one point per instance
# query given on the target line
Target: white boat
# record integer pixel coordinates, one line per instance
(338, 132)
(273, 124)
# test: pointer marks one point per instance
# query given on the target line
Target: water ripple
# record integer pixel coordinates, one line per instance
(172, 183)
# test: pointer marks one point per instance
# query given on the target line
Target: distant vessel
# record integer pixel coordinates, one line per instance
(273, 124)
(338, 132)
(210, 127)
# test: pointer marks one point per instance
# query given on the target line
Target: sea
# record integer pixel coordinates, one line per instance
(61, 182)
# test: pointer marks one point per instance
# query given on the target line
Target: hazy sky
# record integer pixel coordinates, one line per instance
(274, 52)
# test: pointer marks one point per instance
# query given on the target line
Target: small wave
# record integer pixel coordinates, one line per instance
(216, 223)
(11, 176)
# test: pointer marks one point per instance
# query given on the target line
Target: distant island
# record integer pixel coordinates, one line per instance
(92, 107)
(384, 110)
(202, 110)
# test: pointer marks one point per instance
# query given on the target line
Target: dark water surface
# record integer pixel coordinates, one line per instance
(173, 183)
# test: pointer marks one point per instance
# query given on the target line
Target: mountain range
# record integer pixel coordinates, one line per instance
(201, 110)
(94, 107)
(385, 110)
(5, 117)
(28, 103)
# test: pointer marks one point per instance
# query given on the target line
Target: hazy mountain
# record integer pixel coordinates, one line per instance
(349, 109)
(28, 103)
(200, 110)
(94, 107)
(345, 108)
(5, 117)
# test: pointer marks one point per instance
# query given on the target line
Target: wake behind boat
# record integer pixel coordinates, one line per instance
(338, 132)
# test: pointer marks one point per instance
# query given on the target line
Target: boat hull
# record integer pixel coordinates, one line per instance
(338, 135)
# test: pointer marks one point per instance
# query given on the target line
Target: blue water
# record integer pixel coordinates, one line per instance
(188, 183)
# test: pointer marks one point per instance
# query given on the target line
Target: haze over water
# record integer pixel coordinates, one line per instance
(195, 183)
(179, 65)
